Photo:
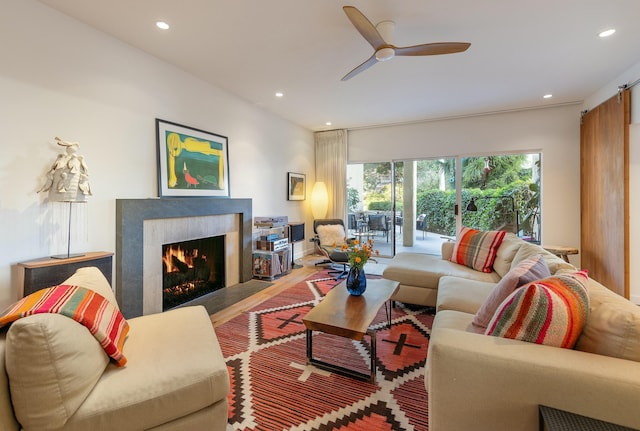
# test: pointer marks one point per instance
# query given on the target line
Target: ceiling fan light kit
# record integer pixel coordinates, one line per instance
(380, 37)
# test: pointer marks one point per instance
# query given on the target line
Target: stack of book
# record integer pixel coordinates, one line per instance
(272, 233)
(266, 222)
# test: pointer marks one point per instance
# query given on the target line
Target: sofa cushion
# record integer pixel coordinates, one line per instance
(424, 270)
(613, 327)
(460, 294)
(331, 235)
(526, 271)
(551, 311)
(53, 363)
(477, 249)
(506, 252)
(446, 249)
(554, 263)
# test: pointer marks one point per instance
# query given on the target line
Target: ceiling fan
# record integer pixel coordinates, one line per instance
(384, 50)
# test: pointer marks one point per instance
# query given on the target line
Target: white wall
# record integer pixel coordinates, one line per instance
(555, 132)
(607, 91)
(61, 78)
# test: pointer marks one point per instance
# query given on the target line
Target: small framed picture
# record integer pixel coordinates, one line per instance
(296, 186)
(191, 162)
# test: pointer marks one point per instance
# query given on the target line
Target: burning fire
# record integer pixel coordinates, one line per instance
(180, 255)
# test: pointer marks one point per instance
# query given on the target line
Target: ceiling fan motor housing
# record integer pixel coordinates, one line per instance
(384, 54)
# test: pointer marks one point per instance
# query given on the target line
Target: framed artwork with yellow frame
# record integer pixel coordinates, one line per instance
(191, 162)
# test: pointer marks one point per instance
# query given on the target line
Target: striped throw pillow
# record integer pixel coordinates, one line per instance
(525, 272)
(97, 314)
(551, 311)
(477, 249)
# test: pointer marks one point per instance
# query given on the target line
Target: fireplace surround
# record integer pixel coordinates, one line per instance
(142, 224)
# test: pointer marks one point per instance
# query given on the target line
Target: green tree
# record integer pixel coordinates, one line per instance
(429, 173)
(502, 170)
(353, 198)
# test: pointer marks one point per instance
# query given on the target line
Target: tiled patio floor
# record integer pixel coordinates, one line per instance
(427, 242)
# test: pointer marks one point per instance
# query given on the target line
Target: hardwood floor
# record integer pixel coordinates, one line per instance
(279, 284)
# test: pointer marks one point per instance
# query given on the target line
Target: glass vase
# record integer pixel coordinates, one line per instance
(356, 281)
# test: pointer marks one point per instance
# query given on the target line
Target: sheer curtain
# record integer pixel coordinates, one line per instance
(331, 167)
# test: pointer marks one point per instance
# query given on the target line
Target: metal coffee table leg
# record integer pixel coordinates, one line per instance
(342, 370)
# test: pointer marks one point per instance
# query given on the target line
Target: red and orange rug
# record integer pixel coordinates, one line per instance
(273, 389)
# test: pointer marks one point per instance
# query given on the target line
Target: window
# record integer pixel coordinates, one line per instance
(419, 199)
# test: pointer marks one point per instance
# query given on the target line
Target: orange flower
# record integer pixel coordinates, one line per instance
(359, 252)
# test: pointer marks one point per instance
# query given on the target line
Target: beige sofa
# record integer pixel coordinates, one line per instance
(55, 375)
(479, 382)
(419, 274)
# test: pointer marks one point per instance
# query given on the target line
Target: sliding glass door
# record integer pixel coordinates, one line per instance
(415, 205)
(406, 205)
(426, 197)
(369, 204)
(502, 192)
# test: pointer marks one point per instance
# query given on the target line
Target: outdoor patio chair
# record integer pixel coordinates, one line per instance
(353, 222)
(421, 223)
(399, 220)
(379, 223)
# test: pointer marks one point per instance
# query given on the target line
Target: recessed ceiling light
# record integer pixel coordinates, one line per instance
(279, 94)
(548, 96)
(162, 25)
(607, 33)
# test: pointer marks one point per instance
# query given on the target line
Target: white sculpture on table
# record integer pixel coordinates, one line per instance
(68, 178)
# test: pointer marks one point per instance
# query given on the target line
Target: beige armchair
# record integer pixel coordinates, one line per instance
(56, 376)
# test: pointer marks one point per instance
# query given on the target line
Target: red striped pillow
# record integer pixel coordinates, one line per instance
(477, 249)
(551, 311)
(97, 314)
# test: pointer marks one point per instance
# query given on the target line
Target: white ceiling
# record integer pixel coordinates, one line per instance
(520, 50)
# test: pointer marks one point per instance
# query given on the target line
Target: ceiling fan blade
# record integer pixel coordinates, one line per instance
(364, 26)
(364, 66)
(433, 48)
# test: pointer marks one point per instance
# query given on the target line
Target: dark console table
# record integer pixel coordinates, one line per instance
(46, 272)
(559, 420)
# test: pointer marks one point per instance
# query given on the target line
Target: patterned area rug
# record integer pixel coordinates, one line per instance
(273, 389)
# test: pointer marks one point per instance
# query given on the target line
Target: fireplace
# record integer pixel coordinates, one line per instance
(143, 226)
(191, 269)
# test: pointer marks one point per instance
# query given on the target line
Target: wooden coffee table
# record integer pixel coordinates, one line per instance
(342, 314)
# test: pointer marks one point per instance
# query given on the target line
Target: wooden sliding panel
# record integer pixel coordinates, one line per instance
(604, 195)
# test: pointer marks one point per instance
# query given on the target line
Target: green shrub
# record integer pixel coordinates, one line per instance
(494, 210)
(379, 206)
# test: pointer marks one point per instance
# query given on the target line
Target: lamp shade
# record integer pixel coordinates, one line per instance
(472, 205)
(319, 200)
